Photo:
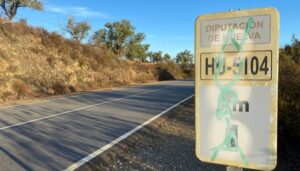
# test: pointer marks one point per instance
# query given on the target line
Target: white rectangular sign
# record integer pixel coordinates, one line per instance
(236, 85)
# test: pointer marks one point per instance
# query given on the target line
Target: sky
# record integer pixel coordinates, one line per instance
(168, 24)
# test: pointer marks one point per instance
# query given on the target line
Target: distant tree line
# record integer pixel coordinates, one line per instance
(121, 38)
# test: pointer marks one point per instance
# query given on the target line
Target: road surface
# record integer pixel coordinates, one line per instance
(66, 132)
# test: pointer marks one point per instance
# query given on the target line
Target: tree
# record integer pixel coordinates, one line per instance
(115, 35)
(99, 38)
(155, 56)
(184, 58)
(167, 57)
(121, 38)
(135, 49)
(10, 7)
(295, 49)
(77, 30)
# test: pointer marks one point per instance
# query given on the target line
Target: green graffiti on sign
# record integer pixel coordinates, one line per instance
(228, 97)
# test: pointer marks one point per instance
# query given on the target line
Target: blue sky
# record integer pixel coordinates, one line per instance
(168, 24)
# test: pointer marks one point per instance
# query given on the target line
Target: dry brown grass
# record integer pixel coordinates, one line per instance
(36, 63)
(21, 89)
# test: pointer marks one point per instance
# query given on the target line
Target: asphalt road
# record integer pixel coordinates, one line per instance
(54, 134)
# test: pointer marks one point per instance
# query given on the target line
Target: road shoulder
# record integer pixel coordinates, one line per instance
(165, 144)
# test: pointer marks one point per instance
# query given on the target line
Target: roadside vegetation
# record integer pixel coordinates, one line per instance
(35, 62)
(289, 93)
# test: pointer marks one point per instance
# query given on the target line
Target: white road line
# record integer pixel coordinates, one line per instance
(114, 142)
(74, 110)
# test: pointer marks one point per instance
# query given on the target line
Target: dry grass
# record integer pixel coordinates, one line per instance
(37, 63)
(21, 89)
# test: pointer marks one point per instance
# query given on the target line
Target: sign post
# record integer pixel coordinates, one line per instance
(236, 85)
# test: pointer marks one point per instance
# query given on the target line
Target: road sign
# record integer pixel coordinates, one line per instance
(236, 59)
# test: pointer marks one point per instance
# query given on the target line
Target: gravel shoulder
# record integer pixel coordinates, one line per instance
(168, 143)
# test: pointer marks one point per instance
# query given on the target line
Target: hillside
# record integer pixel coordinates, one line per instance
(36, 63)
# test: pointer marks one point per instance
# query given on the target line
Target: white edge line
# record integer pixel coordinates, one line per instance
(124, 136)
(75, 110)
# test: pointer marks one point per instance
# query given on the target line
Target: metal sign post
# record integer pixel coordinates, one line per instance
(236, 85)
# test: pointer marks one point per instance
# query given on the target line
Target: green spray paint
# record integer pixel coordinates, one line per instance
(228, 97)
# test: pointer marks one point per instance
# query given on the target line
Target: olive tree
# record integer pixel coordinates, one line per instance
(185, 59)
(10, 7)
(77, 30)
(121, 38)
(115, 35)
(156, 57)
